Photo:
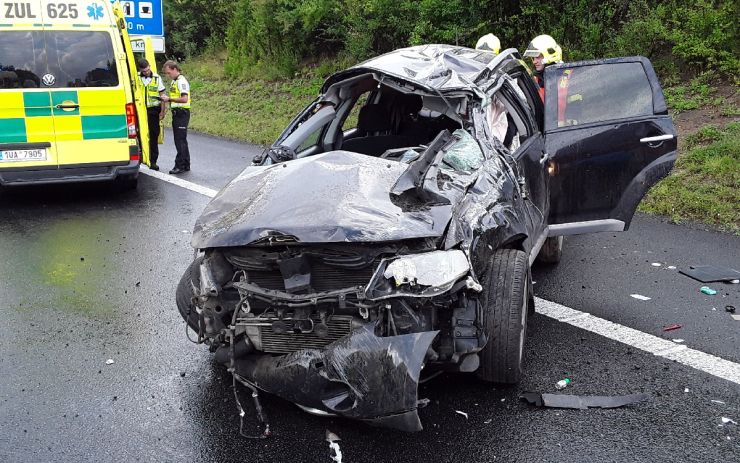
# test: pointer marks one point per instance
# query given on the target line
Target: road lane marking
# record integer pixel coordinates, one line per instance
(205, 191)
(660, 347)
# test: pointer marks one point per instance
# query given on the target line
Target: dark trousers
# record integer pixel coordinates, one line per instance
(152, 115)
(180, 121)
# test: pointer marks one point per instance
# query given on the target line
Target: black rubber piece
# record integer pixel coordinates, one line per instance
(506, 297)
(184, 294)
(551, 251)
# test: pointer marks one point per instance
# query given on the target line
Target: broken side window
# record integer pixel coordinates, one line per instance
(465, 155)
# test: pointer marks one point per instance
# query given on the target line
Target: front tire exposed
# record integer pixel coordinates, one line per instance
(184, 294)
(507, 294)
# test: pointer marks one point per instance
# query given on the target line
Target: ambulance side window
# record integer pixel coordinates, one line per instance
(81, 59)
(21, 59)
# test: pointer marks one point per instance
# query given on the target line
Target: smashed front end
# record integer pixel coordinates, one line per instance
(341, 329)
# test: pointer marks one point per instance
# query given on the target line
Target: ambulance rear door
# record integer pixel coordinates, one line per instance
(27, 140)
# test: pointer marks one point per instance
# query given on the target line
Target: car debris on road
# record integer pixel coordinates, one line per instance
(581, 402)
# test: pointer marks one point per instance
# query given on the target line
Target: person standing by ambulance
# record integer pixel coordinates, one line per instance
(179, 100)
(155, 109)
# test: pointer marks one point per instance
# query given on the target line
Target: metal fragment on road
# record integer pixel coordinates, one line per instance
(462, 413)
(640, 297)
(717, 402)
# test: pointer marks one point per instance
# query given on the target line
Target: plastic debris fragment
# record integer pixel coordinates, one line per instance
(562, 384)
(672, 327)
(678, 341)
(640, 297)
(726, 420)
(717, 402)
(656, 264)
(110, 362)
(581, 402)
(333, 440)
(462, 413)
(730, 308)
(686, 389)
(707, 290)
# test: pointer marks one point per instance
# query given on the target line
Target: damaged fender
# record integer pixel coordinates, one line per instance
(360, 376)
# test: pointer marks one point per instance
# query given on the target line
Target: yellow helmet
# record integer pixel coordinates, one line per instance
(547, 47)
(489, 42)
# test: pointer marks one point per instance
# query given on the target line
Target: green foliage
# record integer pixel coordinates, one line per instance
(704, 183)
(195, 26)
(680, 36)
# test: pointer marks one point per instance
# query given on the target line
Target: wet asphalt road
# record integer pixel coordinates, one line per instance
(89, 274)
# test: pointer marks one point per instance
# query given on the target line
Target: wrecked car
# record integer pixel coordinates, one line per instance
(388, 233)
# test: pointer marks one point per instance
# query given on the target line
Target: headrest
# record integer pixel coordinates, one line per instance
(373, 118)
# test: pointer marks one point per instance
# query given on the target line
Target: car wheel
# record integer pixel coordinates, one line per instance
(506, 296)
(184, 294)
(551, 251)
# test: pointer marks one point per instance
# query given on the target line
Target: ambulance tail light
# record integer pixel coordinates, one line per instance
(131, 120)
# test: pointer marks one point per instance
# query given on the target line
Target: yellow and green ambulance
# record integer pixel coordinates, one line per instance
(71, 104)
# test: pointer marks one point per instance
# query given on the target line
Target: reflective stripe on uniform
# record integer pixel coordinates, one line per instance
(175, 93)
(152, 90)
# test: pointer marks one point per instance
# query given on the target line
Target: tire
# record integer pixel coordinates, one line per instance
(551, 251)
(506, 297)
(184, 294)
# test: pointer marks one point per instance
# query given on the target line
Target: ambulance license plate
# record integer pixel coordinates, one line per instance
(23, 155)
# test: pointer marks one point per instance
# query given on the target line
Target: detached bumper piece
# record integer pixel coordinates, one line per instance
(361, 376)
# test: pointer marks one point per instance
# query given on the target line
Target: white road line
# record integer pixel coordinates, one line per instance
(179, 182)
(665, 348)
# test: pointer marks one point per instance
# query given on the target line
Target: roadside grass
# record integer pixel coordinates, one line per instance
(248, 109)
(705, 183)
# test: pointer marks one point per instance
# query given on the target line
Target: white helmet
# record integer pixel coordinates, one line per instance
(489, 42)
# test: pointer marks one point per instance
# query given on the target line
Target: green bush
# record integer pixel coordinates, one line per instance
(680, 36)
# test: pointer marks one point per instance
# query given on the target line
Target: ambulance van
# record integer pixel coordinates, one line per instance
(72, 107)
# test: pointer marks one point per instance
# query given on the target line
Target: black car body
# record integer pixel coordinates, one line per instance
(365, 247)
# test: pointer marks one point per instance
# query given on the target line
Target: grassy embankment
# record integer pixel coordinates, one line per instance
(704, 186)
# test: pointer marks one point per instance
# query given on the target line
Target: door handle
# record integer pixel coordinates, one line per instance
(67, 106)
(656, 139)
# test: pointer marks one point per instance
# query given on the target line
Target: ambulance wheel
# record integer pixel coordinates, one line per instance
(127, 182)
(505, 301)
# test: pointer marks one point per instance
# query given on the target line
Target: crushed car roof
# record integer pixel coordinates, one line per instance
(439, 67)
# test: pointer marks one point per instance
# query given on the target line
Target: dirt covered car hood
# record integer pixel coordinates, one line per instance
(337, 196)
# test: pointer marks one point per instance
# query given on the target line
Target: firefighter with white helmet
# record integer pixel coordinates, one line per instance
(543, 50)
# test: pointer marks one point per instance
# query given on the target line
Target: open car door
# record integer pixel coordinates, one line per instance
(139, 93)
(609, 138)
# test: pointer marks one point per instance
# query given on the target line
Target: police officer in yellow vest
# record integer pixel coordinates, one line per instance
(155, 109)
(179, 99)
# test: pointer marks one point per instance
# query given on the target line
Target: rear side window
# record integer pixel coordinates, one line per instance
(66, 58)
(22, 59)
(597, 93)
(81, 59)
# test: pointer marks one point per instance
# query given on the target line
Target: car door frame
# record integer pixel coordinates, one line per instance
(652, 149)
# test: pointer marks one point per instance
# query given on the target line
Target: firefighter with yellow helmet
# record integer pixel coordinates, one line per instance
(489, 42)
(545, 51)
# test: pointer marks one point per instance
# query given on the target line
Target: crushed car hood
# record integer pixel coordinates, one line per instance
(337, 196)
